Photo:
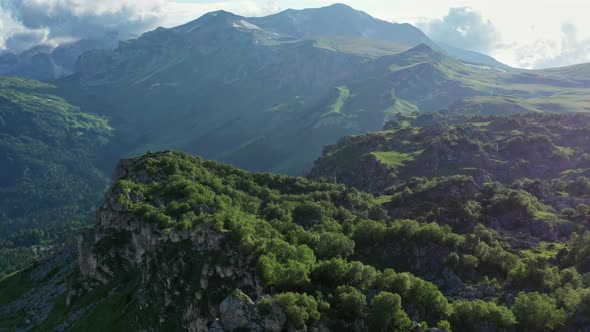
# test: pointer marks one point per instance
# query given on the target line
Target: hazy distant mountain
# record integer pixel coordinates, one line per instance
(342, 20)
(265, 94)
(47, 63)
(471, 56)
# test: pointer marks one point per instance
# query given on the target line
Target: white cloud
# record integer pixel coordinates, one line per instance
(465, 28)
(545, 53)
(26, 23)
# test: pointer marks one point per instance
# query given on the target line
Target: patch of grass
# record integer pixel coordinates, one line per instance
(545, 215)
(344, 94)
(393, 159)
(13, 286)
(545, 250)
(566, 151)
(116, 313)
(359, 46)
(56, 316)
(480, 124)
(12, 324)
(383, 199)
(404, 107)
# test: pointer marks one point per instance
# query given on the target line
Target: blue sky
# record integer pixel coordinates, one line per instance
(522, 33)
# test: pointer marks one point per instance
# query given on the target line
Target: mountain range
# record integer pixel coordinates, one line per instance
(264, 94)
(287, 84)
(443, 188)
(47, 63)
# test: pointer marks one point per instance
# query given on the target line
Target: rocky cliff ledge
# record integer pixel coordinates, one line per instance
(195, 275)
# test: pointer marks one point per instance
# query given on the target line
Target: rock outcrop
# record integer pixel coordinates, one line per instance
(122, 243)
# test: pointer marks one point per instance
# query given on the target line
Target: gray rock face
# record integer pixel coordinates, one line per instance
(236, 311)
(239, 312)
(122, 243)
(135, 239)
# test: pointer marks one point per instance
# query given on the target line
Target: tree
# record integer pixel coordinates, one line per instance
(387, 314)
(480, 315)
(334, 245)
(583, 209)
(308, 213)
(537, 312)
(422, 298)
(350, 303)
(299, 308)
(284, 265)
(369, 233)
(472, 211)
(377, 213)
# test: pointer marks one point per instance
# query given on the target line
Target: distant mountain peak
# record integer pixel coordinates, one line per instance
(340, 6)
(220, 17)
(422, 48)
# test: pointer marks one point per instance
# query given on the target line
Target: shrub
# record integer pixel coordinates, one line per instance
(422, 298)
(387, 313)
(369, 233)
(299, 308)
(480, 315)
(583, 209)
(334, 245)
(537, 312)
(350, 303)
(284, 265)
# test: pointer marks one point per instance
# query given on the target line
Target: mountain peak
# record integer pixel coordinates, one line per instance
(339, 20)
(340, 6)
(217, 17)
(422, 48)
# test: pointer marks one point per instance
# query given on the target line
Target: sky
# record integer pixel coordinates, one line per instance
(521, 33)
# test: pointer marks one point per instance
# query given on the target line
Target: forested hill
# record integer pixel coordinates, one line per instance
(49, 183)
(183, 243)
(525, 176)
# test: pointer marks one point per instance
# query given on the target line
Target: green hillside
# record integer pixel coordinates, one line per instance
(49, 183)
(261, 251)
(235, 99)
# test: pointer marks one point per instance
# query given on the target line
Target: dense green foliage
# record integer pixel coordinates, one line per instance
(502, 201)
(333, 255)
(537, 312)
(49, 184)
(301, 232)
(321, 246)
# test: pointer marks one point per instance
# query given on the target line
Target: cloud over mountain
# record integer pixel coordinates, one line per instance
(25, 23)
(462, 27)
(571, 49)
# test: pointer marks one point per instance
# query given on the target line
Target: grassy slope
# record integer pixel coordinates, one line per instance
(393, 159)
(358, 46)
